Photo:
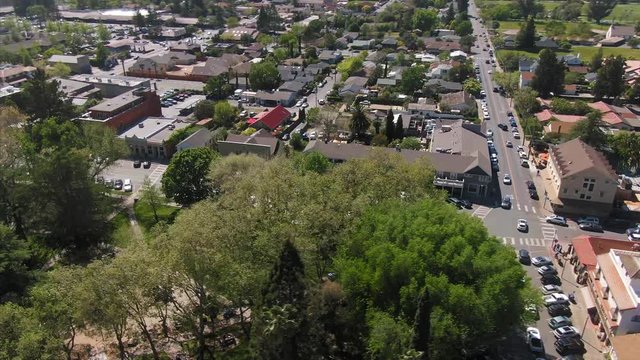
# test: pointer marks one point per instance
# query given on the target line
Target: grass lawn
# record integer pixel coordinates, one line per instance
(144, 214)
(625, 13)
(587, 52)
(521, 53)
(509, 25)
(122, 233)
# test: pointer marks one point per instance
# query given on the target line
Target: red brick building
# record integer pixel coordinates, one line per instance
(124, 110)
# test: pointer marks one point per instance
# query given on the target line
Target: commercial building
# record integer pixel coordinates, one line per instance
(260, 143)
(122, 111)
(111, 85)
(147, 139)
(78, 64)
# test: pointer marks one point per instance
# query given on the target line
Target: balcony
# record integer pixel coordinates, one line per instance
(604, 314)
(451, 183)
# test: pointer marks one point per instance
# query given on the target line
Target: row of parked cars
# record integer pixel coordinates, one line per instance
(116, 184)
(173, 97)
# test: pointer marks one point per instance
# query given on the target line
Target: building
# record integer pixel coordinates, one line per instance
(15, 74)
(112, 85)
(173, 33)
(122, 111)
(147, 138)
(436, 45)
(616, 116)
(330, 56)
(625, 347)
(619, 31)
(525, 78)
(457, 101)
(215, 66)
(557, 123)
(443, 86)
(79, 92)
(260, 143)
(440, 71)
(581, 179)
(118, 46)
(270, 119)
(239, 33)
(201, 138)
(158, 66)
(353, 85)
(546, 43)
(78, 64)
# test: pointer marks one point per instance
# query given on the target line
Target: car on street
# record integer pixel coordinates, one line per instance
(506, 179)
(533, 194)
(589, 219)
(555, 299)
(524, 163)
(522, 225)
(569, 346)
(466, 204)
(503, 126)
(530, 185)
(588, 226)
(117, 184)
(534, 340)
(483, 93)
(509, 144)
(304, 106)
(455, 201)
(489, 71)
(556, 220)
(633, 234)
(506, 202)
(322, 102)
(551, 289)
(299, 103)
(127, 185)
(550, 279)
(516, 135)
(243, 114)
(489, 133)
(137, 164)
(547, 269)
(524, 257)
(522, 155)
(559, 321)
(559, 310)
(566, 332)
(541, 261)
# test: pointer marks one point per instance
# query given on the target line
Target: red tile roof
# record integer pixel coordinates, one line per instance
(272, 118)
(547, 115)
(587, 248)
(527, 75)
(580, 69)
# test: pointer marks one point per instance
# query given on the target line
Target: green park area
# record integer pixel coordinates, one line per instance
(586, 52)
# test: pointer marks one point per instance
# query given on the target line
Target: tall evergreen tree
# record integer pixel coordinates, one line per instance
(596, 60)
(599, 9)
(549, 75)
(389, 128)
(422, 325)
(610, 81)
(286, 283)
(359, 121)
(526, 37)
(399, 133)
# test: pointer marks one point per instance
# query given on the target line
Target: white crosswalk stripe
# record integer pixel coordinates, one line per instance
(519, 207)
(533, 242)
(526, 208)
(481, 212)
(157, 173)
(533, 209)
(509, 240)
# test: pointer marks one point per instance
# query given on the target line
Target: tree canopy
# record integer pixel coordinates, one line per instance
(185, 180)
(549, 75)
(264, 76)
(599, 9)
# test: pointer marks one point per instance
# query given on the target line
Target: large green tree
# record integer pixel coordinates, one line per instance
(412, 79)
(264, 76)
(389, 129)
(549, 75)
(599, 9)
(359, 121)
(626, 145)
(610, 79)
(589, 131)
(42, 99)
(424, 19)
(185, 180)
(526, 37)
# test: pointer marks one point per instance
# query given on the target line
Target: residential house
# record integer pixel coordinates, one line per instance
(612, 41)
(444, 32)
(546, 43)
(260, 143)
(147, 139)
(384, 82)
(525, 78)
(389, 43)
(292, 86)
(620, 31)
(156, 67)
(316, 68)
(581, 179)
(239, 33)
(270, 119)
(255, 50)
(79, 64)
(440, 71)
(527, 65)
(122, 111)
(456, 102)
(268, 98)
(118, 46)
(458, 55)
(421, 109)
(215, 66)
(617, 117)
(15, 74)
(570, 60)
(436, 45)
(202, 138)
(362, 44)
(79, 92)
(173, 33)
(314, 5)
(353, 85)
(330, 56)
(443, 86)
(557, 123)
(185, 47)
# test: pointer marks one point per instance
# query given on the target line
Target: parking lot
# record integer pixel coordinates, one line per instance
(123, 169)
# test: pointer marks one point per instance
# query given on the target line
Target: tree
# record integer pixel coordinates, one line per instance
(472, 86)
(526, 37)
(599, 9)
(185, 179)
(424, 19)
(359, 121)
(568, 11)
(15, 274)
(264, 76)
(58, 70)
(296, 142)
(596, 60)
(626, 144)
(224, 114)
(450, 15)
(139, 20)
(464, 28)
(412, 79)
(38, 11)
(330, 41)
(633, 93)
(610, 79)
(43, 99)
(461, 72)
(410, 143)
(389, 129)
(421, 325)
(313, 116)
(204, 109)
(549, 75)
(217, 87)
(103, 32)
(379, 140)
(508, 80)
(399, 131)
(589, 131)
(526, 101)
(350, 66)
(528, 8)
(102, 54)
(152, 197)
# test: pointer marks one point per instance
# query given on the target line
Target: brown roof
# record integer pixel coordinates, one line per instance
(527, 75)
(456, 98)
(626, 347)
(218, 65)
(260, 137)
(574, 157)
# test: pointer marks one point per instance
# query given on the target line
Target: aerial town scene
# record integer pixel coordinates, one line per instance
(320, 179)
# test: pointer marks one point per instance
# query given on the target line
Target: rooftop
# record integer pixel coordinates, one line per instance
(115, 103)
(259, 138)
(153, 129)
(626, 347)
(111, 79)
(618, 288)
(574, 156)
(587, 248)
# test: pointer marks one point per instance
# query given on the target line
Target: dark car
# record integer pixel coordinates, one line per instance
(533, 194)
(503, 126)
(117, 184)
(559, 310)
(137, 163)
(569, 346)
(506, 202)
(455, 201)
(530, 185)
(550, 279)
(466, 204)
(587, 226)
(146, 164)
(509, 113)
(524, 257)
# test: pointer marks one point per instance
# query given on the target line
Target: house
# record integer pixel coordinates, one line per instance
(270, 119)
(362, 44)
(458, 101)
(458, 55)
(612, 41)
(528, 65)
(525, 78)
(546, 43)
(557, 123)
(292, 86)
(239, 33)
(443, 86)
(215, 66)
(389, 43)
(619, 31)
(147, 139)
(79, 92)
(382, 82)
(79, 64)
(155, 67)
(260, 143)
(616, 116)
(173, 33)
(201, 138)
(436, 45)
(15, 74)
(570, 89)
(581, 179)
(445, 32)
(509, 41)
(267, 98)
(421, 109)
(255, 50)
(440, 71)
(316, 68)
(353, 85)
(570, 60)
(330, 56)
(123, 110)
(313, 5)
(185, 47)
(118, 46)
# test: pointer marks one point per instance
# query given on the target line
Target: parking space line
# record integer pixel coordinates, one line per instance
(533, 209)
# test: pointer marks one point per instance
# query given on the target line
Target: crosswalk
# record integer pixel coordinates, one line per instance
(534, 242)
(157, 173)
(481, 212)
(526, 208)
(549, 231)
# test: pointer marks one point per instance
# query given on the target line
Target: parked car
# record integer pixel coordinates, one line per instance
(559, 321)
(559, 310)
(466, 204)
(322, 102)
(589, 226)
(506, 202)
(524, 163)
(555, 299)
(117, 184)
(533, 194)
(566, 332)
(633, 234)
(534, 340)
(516, 135)
(547, 269)
(137, 163)
(509, 144)
(524, 257)
(541, 261)
(489, 133)
(506, 179)
(556, 220)
(550, 279)
(551, 289)
(530, 184)
(146, 164)
(127, 187)
(522, 225)
(299, 103)
(589, 219)
(569, 346)
(503, 126)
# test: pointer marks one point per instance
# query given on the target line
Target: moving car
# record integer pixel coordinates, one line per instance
(588, 226)
(534, 340)
(555, 299)
(559, 310)
(146, 164)
(566, 332)
(489, 133)
(547, 269)
(556, 220)
(541, 261)
(551, 289)
(516, 135)
(299, 103)
(506, 202)
(509, 144)
(128, 187)
(559, 321)
(506, 179)
(524, 257)
(503, 126)
(533, 194)
(522, 225)
(530, 185)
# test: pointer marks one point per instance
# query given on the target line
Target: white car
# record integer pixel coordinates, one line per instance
(522, 225)
(127, 186)
(489, 133)
(547, 269)
(321, 102)
(541, 261)
(516, 135)
(551, 289)
(299, 103)
(566, 331)
(506, 179)
(490, 143)
(489, 71)
(555, 298)
(522, 154)
(313, 135)
(520, 148)
(534, 340)
(556, 219)
(304, 106)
